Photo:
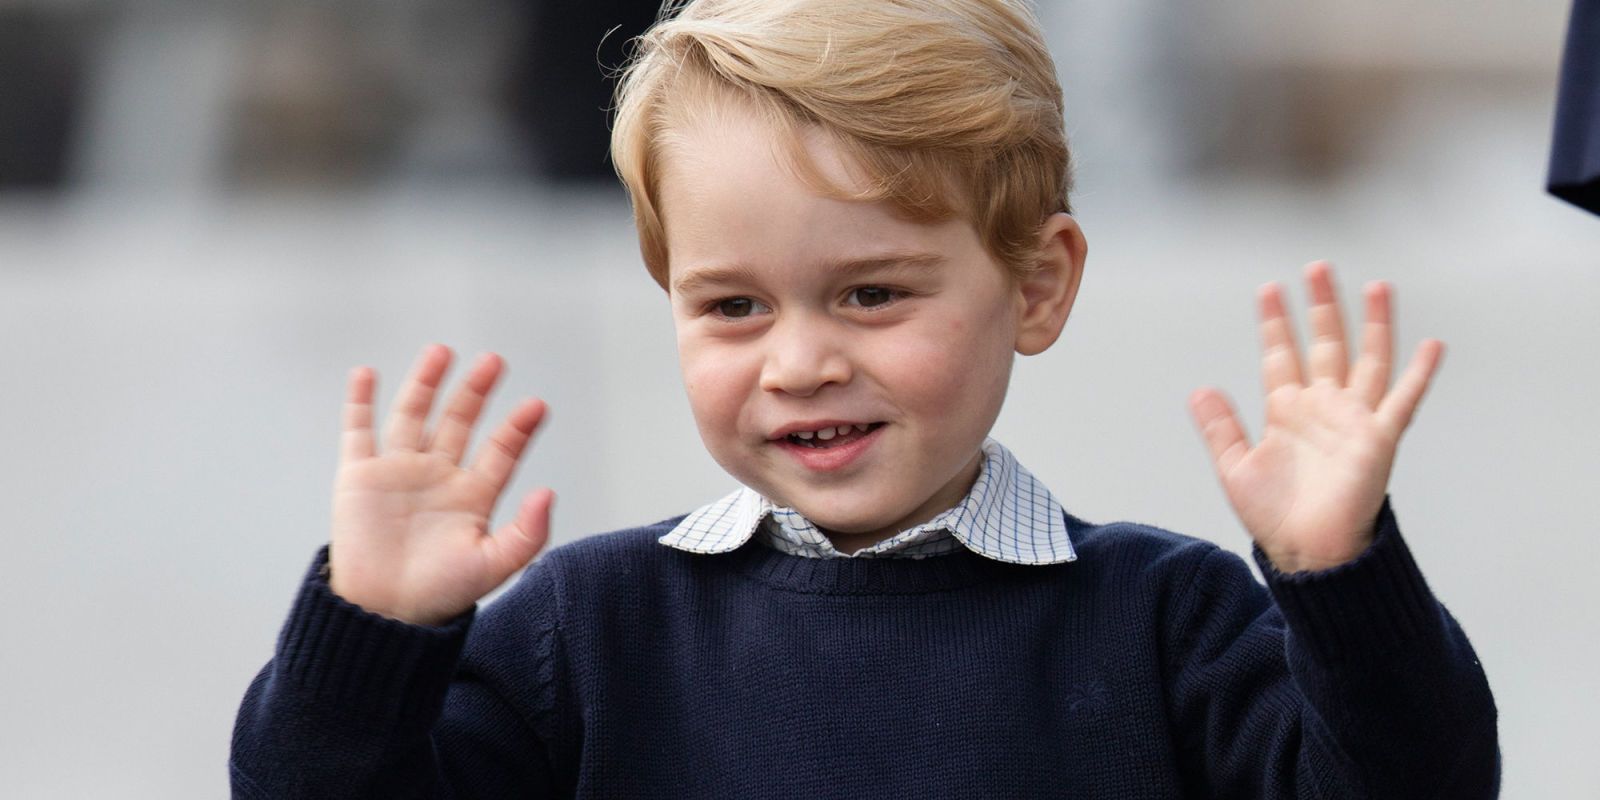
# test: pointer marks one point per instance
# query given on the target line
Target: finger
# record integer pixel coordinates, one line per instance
(497, 458)
(402, 429)
(1225, 438)
(1397, 408)
(1370, 376)
(1280, 359)
(355, 437)
(455, 426)
(515, 544)
(1327, 353)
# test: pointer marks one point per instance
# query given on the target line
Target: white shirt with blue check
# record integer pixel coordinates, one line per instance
(1008, 515)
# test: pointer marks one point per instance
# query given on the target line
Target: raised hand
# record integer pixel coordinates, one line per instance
(1309, 492)
(410, 525)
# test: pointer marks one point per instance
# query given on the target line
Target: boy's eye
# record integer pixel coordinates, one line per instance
(737, 307)
(872, 296)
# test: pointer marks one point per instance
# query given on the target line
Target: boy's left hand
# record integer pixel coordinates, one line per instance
(1309, 492)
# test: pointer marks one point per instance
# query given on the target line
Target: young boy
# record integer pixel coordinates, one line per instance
(858, 210)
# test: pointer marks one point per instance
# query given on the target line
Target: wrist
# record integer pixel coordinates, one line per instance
(355, 598)
(1288, 562)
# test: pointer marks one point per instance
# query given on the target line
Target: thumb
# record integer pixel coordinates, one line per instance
(1224, 436)
(516, 543)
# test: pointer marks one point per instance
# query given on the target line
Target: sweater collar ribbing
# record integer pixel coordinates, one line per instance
(869, 576)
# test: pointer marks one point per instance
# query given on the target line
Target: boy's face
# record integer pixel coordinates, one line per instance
(777, 334)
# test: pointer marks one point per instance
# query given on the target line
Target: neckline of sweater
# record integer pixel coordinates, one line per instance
(870, 575)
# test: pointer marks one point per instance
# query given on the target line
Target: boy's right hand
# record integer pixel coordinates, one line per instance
(410, 524)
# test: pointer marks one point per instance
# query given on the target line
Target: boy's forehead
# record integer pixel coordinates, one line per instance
(735, 201)
(797, 233)
(735, 135)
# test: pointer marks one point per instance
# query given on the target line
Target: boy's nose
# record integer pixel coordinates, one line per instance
(802, 359)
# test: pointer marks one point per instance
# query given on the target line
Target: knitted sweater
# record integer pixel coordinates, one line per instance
(1154, 666)
(1574, 172)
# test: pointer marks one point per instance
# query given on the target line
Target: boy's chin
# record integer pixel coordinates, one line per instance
(836, 520)
(855, 508)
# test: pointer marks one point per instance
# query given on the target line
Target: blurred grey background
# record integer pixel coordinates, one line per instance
(209, 212)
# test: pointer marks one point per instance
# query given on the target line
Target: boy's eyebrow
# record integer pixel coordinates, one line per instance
(739, 273)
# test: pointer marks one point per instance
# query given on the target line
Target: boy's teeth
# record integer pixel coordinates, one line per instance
(827, 434)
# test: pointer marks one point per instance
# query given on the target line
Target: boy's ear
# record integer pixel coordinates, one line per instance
(1044, 298)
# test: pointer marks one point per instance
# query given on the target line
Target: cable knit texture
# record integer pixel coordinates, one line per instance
(1154, 666)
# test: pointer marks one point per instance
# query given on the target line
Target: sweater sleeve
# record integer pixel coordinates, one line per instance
(354, 704)
(1350, 682)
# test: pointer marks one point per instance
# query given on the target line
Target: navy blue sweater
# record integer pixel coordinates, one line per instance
(1154, 666)
(1574, 173)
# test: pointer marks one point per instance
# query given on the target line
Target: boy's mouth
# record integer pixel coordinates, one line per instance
(826, 438)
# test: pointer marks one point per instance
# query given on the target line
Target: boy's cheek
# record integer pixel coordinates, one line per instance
(717, 385)
(696, 355)
(974, 361)
(705, 364)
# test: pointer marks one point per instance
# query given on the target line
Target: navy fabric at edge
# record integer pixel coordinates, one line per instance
(1575, 153)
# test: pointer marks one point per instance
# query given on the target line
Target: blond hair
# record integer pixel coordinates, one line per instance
(948, 106)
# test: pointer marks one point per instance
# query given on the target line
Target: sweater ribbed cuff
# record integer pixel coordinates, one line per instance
(1359, 611)
(365, 663)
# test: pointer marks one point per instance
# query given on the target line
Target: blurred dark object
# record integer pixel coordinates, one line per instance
(41, 94)
(563, 93)
(1575, 154)
(318, 101)
(1295, 121)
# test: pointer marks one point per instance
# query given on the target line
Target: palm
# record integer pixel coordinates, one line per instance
(433, 514)
(1310, 490)
(410, 524)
